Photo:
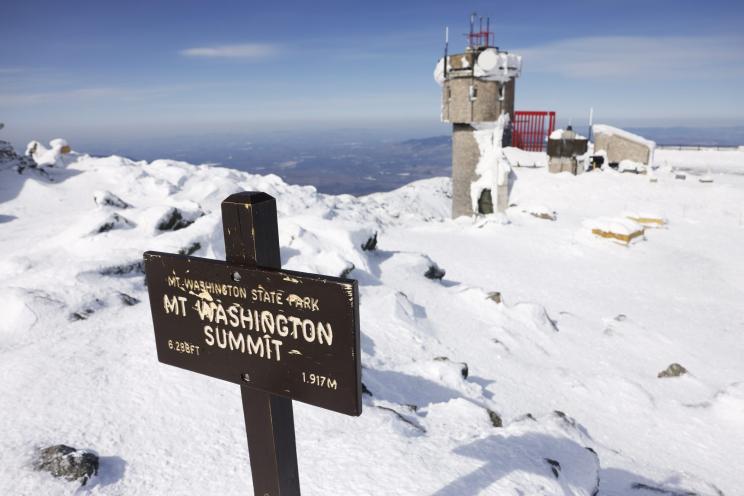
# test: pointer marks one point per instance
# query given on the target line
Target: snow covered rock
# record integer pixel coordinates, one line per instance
(50, 157)
(96, 222)
(541, 212)
(553, 456)
(108, 199)
(67, 463)
(335, 249)
(370, 244)
(463, 366)
(434, 272)
(631, 166)
(10, 159)
(113, 221)
(674, 370)
(128, 299)
(494, 296)
(174, 219)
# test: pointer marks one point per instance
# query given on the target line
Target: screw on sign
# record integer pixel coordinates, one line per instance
(280, 335)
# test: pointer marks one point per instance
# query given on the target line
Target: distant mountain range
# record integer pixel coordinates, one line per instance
(346, 161)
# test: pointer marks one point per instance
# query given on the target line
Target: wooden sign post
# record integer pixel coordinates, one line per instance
(280, 335)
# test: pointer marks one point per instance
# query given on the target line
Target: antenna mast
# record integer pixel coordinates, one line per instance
(470, 37)
(446, 46)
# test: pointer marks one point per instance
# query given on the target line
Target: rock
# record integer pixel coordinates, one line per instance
(495, 418)
(108, 199)
(128, 300)
(191, 249)
(114, 221)
(706, 178)
(544, 215)
(175, 219)
(347, 270)
(674, 370)
(494, 296)
(370, 244)
(67, 463)
(134, 268)
(87, 311)
(49, 157)
(82, 315)
(647, 488)
(434, 272)
(463, 366)
(9, 158)
(401, 417)
(365, 390)
(555, 466)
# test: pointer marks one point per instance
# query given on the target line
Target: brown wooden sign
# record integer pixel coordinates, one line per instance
(285, 333)
(281, 335)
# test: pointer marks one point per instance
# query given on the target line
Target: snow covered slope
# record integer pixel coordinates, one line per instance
(553, 390)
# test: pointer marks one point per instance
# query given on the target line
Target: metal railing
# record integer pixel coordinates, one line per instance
(531, 128)
(721, 148)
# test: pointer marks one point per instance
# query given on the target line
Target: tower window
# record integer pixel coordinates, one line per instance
(472, 92)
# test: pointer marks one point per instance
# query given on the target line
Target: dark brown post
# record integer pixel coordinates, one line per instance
(252, 239)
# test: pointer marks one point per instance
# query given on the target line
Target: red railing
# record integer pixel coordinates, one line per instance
(531, 128)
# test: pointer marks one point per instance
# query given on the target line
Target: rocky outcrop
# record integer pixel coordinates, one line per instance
(435, 272)
(674, 370)
(67, 463)
(10, 159)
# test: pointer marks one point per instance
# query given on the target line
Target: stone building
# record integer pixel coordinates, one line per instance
(478, 87)
(620, 145)
(564, 145)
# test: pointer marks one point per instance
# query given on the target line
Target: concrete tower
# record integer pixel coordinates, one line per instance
(478, 99)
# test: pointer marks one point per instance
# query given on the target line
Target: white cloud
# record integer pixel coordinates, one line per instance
(241, 51)
(633, 57)
(83, 94)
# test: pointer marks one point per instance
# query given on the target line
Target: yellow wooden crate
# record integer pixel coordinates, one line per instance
(622, 238)
(649, 221)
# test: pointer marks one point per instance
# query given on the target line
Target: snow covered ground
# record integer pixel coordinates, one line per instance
(560, 394)
(703, 160)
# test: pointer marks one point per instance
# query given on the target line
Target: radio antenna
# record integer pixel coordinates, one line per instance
(472, 21)
(446, 45)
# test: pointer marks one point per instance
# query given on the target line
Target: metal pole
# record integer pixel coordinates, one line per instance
(252, 239)
(446, 46)
(591, 119)
(470, 37)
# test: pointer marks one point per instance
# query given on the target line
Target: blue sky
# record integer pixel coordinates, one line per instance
(102, 68)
